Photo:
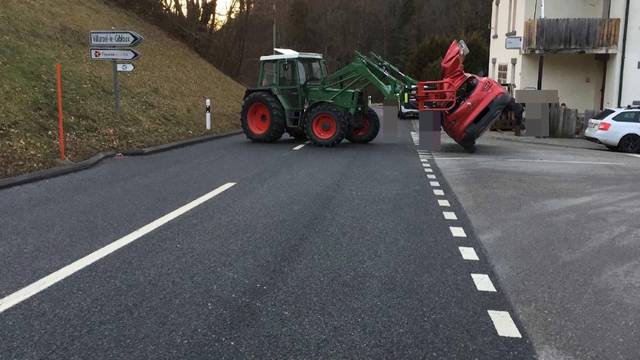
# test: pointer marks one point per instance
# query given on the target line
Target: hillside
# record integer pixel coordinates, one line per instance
(162, 100)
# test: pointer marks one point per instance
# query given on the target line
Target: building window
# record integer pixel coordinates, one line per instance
(502, 73)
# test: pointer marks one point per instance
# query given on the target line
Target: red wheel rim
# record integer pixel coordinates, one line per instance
(364, 130)
(258, 118)
(324, 126)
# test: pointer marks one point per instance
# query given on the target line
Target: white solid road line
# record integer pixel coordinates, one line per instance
(40, 285)
(483, 282)
(444, 203)
(487, 158)
(438, 192)
(449, 215)
(504, 324)
(434, 183)
(468, 253)
(299, 147)
(634, 155)
(457, 231)
(563, 162)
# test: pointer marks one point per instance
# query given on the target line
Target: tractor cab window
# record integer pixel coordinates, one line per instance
(288, 74)
(314, 70)
(268, 74)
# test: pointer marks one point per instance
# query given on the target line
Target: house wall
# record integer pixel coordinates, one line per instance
(631, 79)
(577, 77)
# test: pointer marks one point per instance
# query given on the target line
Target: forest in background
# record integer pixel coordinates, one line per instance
(413, 34)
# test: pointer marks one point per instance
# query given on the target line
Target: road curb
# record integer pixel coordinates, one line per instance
(95, 159)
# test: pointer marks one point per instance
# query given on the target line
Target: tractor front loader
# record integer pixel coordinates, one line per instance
(295, 94)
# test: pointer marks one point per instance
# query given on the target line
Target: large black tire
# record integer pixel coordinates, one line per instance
(297, 133)
(262, 118)
(630, 144)
(368, 132)
(325, 125)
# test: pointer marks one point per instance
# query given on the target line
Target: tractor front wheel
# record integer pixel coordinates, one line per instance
(262, 117)
(368, 131)
(325, 125)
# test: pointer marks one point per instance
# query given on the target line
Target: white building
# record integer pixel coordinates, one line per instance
(589, 50)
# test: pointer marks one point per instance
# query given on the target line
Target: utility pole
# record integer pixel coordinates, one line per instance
(274, 26)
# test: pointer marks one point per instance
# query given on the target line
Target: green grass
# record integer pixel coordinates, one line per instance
(162, 100)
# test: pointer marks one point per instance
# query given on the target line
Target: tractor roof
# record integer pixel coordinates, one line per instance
(290, 54)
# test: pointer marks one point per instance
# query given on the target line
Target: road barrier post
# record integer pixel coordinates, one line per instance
(60, 127)
(207, 112)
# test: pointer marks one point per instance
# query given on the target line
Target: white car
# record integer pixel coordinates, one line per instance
(617, 129)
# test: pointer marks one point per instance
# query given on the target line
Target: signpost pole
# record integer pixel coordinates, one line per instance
(116, 87)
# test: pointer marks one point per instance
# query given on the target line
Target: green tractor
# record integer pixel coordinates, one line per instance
(295, 94)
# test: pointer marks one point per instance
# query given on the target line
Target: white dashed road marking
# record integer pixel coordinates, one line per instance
(483, 282)
(468, 253)
(457, 231)
(428, 170)
(449, 215)
(299, 147)
(504, 324)
(438, 192)
(40, 285)
(444, 203)
(434, 183)
(431, 176)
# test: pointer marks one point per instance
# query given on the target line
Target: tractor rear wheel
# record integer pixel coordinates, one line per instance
(262, 117)
(325, 125)
(368, 131)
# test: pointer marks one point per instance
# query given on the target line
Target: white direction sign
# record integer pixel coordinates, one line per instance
(115, 38)
(114, 54)
(125, 67)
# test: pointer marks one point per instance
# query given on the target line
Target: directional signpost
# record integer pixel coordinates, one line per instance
(125, 67)
(112, 45)
(114, 54)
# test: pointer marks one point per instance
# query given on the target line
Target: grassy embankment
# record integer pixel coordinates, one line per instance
(162, 100)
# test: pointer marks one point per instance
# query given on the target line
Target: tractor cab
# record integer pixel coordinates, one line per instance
(286, 74)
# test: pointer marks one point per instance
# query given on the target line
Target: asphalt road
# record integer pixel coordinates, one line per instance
(561, 227)
(313, 253)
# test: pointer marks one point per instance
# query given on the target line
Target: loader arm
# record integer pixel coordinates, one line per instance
(362, 72)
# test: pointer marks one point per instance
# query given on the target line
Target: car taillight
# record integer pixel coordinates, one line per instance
(604, 126)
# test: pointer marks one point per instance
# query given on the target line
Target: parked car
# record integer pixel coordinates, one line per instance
(408, 110)
(616, 128)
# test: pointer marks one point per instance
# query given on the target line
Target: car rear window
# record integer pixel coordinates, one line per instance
(627, 116)
(603, 114)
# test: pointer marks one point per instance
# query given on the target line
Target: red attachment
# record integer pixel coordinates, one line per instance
(324, 126)
(604, 126)
(435, 95)
(258, 118)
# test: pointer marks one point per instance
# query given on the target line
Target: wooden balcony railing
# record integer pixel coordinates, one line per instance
(583, 35)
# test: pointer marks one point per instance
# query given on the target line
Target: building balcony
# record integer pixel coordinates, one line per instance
(571, 36)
